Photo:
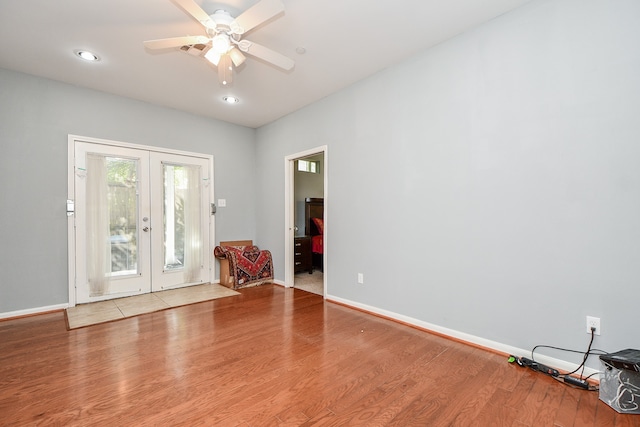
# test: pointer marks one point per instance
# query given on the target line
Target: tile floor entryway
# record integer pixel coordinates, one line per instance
(106, 311)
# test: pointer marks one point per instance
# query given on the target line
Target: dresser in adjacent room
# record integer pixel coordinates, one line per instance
(302, 254)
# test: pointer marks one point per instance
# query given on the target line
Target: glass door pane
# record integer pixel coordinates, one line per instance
(122, 184)
(175, 186)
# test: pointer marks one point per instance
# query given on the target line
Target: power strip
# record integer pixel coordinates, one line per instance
(523, 361)
(539, 367)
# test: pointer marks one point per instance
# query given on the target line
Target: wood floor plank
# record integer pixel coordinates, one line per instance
(328, 384)
(516, 399)
(494, 414)
(537, 399)
(586, 412)
(550, 405)
(477, 401)
(270, 357)
(458, 392)
(377, 338)
(566, 415)
(623, 420)
(607, 417)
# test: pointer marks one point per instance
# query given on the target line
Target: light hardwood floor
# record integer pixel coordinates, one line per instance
(270, 356)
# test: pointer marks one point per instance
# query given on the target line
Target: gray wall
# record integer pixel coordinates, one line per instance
(36, 116)
(489, 185)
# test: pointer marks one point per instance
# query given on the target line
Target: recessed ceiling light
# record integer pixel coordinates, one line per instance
(87, 56)
(230, 99)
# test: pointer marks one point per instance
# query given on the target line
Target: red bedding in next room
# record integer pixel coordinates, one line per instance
(317, 245)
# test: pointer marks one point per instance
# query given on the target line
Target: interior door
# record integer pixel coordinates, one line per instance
(142, 220)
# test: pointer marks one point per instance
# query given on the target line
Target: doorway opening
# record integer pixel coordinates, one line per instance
(306, 218)
(139, 219)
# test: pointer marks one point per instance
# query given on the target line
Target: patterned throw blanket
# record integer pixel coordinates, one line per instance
(248, 264)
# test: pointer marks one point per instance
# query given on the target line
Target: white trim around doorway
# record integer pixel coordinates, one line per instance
(289, 212)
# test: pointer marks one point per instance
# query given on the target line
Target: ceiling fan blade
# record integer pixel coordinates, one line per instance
(225, 71)
(266, 54)
(192, 8)
(175, 42)
(256, 15)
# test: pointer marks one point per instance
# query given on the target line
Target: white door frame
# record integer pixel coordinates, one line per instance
(289, 213)
(71, 250)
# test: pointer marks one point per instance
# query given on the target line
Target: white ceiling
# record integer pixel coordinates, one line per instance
(345, 41)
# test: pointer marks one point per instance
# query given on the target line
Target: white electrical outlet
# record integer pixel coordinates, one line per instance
(361, 278)
(593, 322)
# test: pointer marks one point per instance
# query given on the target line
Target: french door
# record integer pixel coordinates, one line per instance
(142, 221)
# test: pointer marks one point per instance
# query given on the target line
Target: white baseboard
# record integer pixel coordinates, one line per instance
(559, 364)
(32, 311)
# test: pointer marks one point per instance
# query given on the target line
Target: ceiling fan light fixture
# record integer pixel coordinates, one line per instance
(220, 44)
(237, 57)
(213, 57)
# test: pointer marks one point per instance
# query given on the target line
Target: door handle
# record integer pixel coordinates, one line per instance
(145, 228)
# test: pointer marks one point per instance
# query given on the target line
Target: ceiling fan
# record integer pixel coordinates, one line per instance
(224, 43)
